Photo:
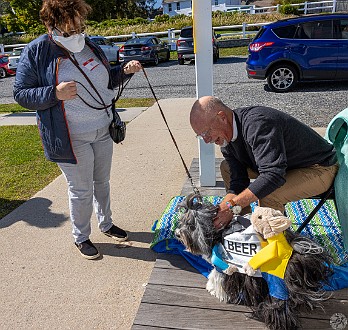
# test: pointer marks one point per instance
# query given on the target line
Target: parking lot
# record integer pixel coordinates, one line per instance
(314, 103)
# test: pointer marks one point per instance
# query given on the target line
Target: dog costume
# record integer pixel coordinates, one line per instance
(294, 268)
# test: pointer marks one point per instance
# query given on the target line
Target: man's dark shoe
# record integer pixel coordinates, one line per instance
(88, 250)
(116, 233)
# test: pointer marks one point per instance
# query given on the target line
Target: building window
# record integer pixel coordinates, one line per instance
(170, 7)
(216, 2)
(178, 6)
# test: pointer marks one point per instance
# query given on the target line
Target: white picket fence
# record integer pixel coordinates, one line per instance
(170, 37)
(305, 7)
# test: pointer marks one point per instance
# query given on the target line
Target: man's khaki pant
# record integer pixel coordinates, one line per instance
(300, 183)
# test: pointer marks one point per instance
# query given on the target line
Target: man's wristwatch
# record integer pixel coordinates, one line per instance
(234, 207)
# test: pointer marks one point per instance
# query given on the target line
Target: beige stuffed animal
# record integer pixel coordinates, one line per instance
(276, 251)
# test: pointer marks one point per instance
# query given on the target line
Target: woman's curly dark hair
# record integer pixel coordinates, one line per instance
(60, 12)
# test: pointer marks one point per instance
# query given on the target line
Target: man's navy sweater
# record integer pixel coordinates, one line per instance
(272, 142)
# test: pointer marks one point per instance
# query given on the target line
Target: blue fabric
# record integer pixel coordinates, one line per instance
(164, 240)
(337, 134)
(339, 279)
(173, 246)
(216, 259)
(276, 286)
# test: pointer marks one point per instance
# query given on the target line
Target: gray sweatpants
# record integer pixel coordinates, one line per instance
(88, 182)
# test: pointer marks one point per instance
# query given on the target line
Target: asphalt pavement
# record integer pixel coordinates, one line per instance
(314, 103)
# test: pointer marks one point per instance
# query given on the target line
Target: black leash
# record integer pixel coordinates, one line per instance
(195, 189)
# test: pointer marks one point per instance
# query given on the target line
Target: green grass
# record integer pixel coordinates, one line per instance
(130, 103)
(11, 108)
(224, 52)
(121, 103)
(24, 168)
(235, 51)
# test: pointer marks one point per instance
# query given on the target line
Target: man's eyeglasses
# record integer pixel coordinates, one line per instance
(206, 133)
(70, 33)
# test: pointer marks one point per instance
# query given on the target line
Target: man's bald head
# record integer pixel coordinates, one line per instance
(205, 109)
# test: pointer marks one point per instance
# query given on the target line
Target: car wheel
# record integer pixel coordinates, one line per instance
(181, 61)
(155, 60)
(2, 73)
(282, 78)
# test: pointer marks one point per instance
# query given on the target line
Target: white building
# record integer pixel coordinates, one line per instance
(175, 7)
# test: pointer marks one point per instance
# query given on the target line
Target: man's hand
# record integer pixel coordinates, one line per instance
(132, 67)
(224, 215)
(66, 90)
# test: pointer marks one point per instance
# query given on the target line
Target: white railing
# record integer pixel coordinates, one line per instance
(2, 47)
(171, 39)
(305, 7)
(169, 35)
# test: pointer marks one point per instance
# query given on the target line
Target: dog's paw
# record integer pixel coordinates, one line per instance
(249, 270)
(231, 269)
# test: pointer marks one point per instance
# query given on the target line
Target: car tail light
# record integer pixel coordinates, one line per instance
(252, 72)
(145, 48)
(121, 49)
(257, 46)
(180, 42)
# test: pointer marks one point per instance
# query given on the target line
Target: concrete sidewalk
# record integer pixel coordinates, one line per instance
(46, 284)
(29, 118)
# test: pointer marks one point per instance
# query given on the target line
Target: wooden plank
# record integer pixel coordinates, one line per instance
(168, 317)
(188, 289)
(187, 297)
(194, 318)
(173, 261)
(147, 327)
(177, 277)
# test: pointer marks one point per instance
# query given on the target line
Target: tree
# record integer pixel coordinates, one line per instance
(22, 15)
(106, 9)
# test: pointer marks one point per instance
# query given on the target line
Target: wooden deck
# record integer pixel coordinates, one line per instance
(176, 298)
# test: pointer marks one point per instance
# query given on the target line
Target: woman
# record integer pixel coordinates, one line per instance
(68, 81)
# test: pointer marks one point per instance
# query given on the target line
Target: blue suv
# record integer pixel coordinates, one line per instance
(297, 49)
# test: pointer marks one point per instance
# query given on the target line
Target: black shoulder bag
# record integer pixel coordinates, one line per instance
(117, 128)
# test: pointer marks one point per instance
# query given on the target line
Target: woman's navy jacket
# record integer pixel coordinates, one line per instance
(34, 89)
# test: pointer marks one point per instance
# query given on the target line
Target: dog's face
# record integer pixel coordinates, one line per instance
(195, 227)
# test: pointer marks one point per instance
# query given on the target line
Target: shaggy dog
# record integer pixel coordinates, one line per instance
(305, 264)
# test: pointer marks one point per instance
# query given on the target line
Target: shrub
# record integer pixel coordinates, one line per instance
(287, 9)
(161, 18)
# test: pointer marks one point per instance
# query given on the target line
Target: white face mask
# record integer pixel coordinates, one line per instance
(74, 43)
